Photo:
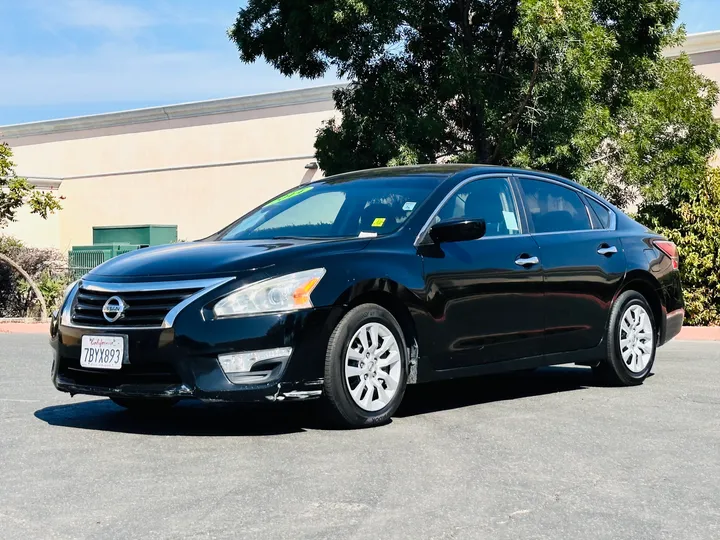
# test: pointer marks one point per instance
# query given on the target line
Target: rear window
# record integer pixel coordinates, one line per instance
(554, 208)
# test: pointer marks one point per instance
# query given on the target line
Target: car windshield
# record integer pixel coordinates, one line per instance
(337, 209)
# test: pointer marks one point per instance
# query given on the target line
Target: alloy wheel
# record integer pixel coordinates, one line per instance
(373, 367)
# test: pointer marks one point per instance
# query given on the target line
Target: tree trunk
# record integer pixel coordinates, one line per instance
(30, 281)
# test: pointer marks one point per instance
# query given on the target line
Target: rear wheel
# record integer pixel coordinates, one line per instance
(144, 405)
(631, 341)
(365, 367)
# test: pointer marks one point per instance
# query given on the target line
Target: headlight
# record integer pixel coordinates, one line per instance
(67, 292)
(284, 293)
(65, 313)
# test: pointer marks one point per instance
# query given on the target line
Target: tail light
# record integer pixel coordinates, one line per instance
(669, 249)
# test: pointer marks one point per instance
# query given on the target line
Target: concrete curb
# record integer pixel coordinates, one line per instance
(699, 333)
(688, 333)
(24, 328)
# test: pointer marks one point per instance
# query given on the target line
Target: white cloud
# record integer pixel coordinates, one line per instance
(119, 18)
(120, 74)
(125, 61)
(104, 15)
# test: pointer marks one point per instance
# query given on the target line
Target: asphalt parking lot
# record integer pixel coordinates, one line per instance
(544, 455)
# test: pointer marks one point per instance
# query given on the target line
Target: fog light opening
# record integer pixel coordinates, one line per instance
(238, 367)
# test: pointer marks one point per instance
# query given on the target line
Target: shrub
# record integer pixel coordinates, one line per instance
(48, 267)
(694, 225)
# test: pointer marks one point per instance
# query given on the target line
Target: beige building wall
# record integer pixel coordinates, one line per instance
(199, 201)
(199, 166)
(33, 230)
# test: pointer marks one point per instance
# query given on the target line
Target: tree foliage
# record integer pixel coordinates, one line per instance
(694, 225)
(44, 277)
(576, 87)
(16, 192)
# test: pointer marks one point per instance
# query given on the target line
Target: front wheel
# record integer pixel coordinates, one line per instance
(365, 367)
(631, 341)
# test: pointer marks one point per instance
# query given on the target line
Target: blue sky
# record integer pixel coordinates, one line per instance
(65, 58)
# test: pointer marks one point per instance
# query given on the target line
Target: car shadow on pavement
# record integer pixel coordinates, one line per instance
(190, 418)
(456, 393)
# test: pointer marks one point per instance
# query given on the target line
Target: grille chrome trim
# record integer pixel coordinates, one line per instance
(205, 286)
(99, 286)
(174, 312)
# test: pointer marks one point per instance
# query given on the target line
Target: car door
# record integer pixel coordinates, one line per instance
(485, 295)
(583, 263)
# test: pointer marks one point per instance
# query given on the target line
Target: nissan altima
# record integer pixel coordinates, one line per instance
(349, 288)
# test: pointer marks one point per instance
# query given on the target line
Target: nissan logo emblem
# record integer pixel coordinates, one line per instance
(114, 309)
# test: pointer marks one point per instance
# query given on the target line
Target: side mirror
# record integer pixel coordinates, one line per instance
(457, 230)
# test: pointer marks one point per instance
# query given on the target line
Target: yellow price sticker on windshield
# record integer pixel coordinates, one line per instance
(378, 222)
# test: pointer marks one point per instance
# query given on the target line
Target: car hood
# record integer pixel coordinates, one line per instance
(207, 259)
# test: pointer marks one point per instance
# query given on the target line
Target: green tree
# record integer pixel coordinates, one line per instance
(576, 87)
(694, 225)
(14, 193)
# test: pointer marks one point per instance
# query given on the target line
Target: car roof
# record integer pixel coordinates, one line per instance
(442, 172)
(445, 171)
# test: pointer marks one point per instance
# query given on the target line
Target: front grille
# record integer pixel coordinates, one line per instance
(144, 308)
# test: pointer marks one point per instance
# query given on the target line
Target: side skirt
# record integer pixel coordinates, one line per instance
(584, 357)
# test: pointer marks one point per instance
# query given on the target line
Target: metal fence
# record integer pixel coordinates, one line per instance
(82, 259)
(81, 262)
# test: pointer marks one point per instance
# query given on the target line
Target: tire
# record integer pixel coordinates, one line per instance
(630, 355)
(352, 371)
(144, 405)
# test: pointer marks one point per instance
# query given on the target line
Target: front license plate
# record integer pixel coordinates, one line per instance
(102, 352)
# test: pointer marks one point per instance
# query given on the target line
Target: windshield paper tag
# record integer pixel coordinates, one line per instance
(290, 195)
(378, 222)
(408, 206)
(367, 235)
(510, 221)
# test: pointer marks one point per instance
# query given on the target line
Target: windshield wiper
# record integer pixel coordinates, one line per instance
(297, 238)
(308, 237)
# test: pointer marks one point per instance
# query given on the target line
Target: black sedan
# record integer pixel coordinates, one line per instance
(354, 286)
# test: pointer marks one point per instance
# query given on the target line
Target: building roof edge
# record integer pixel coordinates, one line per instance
(171, 112)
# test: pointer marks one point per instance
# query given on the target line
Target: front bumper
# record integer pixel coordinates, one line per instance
(182, 361)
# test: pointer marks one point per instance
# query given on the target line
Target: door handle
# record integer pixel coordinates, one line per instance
(527, 261)
(607, 250)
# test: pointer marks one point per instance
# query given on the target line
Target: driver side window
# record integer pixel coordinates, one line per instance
(490, 199)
